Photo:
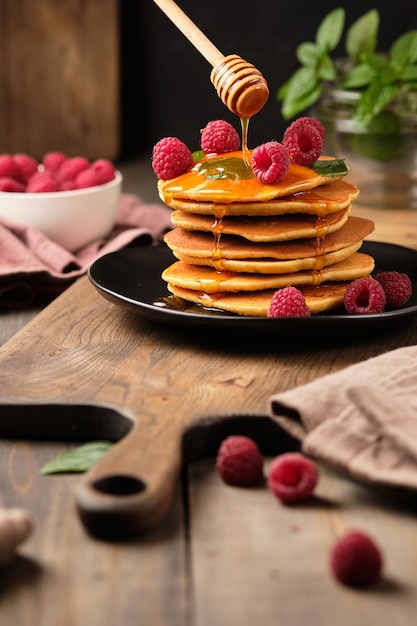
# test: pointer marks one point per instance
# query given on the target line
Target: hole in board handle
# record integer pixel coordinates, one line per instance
(119, 485)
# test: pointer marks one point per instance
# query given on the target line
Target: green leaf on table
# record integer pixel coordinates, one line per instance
(77, 459)
(330, 167)
(361, 37)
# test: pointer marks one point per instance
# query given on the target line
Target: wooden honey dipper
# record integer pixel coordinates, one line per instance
(239, 84)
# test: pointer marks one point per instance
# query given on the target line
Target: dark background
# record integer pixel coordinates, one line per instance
(166, 87)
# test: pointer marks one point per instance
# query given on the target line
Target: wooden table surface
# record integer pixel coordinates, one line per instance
(223, 556)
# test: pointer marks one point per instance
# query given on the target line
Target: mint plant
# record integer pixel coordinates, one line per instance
(382, 79)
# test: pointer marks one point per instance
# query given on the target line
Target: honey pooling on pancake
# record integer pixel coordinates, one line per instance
(236, 240)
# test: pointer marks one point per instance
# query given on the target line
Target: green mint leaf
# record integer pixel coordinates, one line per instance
(226, 167)
(198, 155)
(359, 76)
(308, 53)
(408, 74)
(330, 167)
(404, 50)
(301, 91)
(78, 459)
(373, 100)
(362, 36)
(326, 69)
(330, 30)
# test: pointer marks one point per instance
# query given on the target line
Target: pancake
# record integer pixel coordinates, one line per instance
(325, 297)
(271, 266)
(263, 229)
(225, 179)
(322, 200)
(203, 245)
(208, 280)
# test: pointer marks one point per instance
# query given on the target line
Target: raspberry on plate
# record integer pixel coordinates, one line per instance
(356, 560)
(171, 158)
(218, 137)
(270, 162)
(304, 140)
(364, 296)
(397, 287)
(288, 302)
(239, 461)
(292, 477)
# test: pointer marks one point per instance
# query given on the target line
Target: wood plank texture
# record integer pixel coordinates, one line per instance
(59, 77)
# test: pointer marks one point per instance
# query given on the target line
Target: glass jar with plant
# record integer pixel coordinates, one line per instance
(367, 101)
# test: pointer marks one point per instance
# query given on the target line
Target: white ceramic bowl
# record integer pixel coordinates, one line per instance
(72, 219)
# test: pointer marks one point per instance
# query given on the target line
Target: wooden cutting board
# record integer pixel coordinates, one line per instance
(85, 369)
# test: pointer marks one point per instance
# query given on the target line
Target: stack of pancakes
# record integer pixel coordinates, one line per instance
(238, 240)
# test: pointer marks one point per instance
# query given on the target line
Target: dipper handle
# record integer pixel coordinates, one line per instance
(190, 30)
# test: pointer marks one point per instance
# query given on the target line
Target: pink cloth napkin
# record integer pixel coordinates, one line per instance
(32, 265)
(362, 419)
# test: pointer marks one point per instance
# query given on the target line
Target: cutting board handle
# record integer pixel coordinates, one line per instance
(130, 489)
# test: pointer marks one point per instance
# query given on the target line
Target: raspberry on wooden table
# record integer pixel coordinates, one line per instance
(292, 477)
(356, 560)
(239, 461)
(218, 137)
(171, 158)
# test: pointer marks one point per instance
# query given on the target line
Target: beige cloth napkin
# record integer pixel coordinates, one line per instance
(362, 419)
(31, 265)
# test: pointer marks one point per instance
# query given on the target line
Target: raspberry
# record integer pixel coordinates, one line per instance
(9, 167)
(104, 169)
(42, 182)
(239, 461)
(292, 477)
(70, 168)
(11, 184)
(219, 137)
(363, 296)
(53, 160)
(27, 165)
(315, 123)
(288, 302)
(270, 162)
(397, 287)
(87, 178)
(171, 158)
(304, 140)
(356, 560)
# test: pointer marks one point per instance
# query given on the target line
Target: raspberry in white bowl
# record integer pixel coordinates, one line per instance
(71, 200)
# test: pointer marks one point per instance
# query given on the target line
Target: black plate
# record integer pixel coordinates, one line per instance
(131, 278)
